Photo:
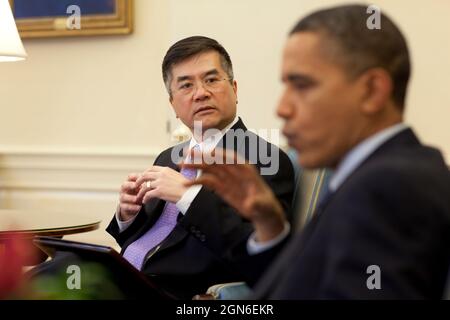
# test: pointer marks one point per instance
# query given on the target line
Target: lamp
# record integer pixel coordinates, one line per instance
(11, 47)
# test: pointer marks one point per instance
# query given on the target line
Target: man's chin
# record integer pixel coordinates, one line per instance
(207, 123)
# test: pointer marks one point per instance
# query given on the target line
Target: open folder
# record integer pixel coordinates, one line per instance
(132, 283)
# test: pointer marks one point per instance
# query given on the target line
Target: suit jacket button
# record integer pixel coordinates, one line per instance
(202, 238)
(193, 229)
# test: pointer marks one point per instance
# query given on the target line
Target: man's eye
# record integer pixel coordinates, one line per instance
(211, 80)
(303, 85)
(186, 85)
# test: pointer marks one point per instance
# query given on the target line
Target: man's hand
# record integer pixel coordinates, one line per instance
(129, 205)
(161, 182)
(242, 187)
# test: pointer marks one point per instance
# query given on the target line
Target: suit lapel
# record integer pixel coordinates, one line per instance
(237, 145)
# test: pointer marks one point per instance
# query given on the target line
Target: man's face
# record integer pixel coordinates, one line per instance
(320, 104)
(193, 99)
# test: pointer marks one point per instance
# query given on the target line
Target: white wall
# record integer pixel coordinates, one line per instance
(97, 93)
(81, 113)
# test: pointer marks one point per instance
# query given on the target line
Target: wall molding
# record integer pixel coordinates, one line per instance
(84, 181)
(82, 151)
(70, 169)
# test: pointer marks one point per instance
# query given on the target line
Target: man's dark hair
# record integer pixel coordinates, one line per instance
(358, 48)
(188, 47)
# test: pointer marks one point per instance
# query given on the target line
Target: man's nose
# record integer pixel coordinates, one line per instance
(200, 92)
(284, 109)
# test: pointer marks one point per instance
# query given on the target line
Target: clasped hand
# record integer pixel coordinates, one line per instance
(155, 182)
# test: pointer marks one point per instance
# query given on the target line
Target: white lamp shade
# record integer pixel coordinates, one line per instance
(11, 47)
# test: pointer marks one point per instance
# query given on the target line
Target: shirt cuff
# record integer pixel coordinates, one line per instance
(254, 247)
(185, 202)
(123, 224)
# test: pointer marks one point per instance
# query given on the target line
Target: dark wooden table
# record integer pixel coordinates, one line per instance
(26, 224)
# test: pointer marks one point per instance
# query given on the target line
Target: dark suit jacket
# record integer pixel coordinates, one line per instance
(196, 254)
(393, 212)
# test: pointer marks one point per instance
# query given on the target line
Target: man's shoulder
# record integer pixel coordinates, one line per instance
(394, 188)
(414, 160)
(413, 173)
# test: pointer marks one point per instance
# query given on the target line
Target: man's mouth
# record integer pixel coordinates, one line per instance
(290, 137)
(287, 134)
(204, 109)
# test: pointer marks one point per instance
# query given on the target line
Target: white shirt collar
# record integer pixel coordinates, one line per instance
(209, 143)
(361, 152)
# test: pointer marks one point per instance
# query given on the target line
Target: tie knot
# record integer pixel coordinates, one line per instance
(188, 173)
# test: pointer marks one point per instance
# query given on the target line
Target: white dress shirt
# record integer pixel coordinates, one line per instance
(208, 144)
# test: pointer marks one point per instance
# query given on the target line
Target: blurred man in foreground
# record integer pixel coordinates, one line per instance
(384, 228)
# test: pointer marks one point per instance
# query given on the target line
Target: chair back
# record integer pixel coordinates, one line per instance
(310, 185)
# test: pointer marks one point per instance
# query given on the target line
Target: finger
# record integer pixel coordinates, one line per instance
(225, 156)
(201, 166)
(147, 176)
(133, 176)
(144, 189)
(209, 181)
(127, 198)
(128, 187)
(130, 207)
(187, 165)
(154, 169)
(150, 195)
(220, 172)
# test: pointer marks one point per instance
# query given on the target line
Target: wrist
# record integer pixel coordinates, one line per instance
(180, 194)
(124, 217)
(270, 223)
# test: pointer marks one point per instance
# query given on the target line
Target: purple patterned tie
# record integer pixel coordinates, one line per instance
(136, 252)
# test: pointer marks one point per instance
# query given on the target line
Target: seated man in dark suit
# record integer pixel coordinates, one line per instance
(180, 236)
(383, 231)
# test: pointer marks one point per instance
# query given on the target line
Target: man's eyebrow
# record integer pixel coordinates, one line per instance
(183, 78)
(297, 77)
(211, 72)
(205, 74)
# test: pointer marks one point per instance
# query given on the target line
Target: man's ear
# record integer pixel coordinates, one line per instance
(378, 90)
(235, 87)
(171, 103)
